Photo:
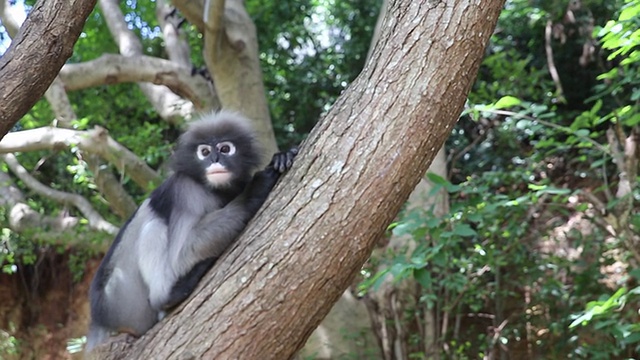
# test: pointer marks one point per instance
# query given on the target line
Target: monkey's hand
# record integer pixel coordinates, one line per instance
(282, 161)
(263, 181)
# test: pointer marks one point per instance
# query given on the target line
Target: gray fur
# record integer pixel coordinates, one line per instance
(185, 222)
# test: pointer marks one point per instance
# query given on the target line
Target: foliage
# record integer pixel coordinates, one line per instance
(8, 344)
(610, 316)
(474, 258)
(536, 229)
(309, 56)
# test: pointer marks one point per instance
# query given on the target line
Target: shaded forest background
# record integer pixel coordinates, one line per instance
(535, 256)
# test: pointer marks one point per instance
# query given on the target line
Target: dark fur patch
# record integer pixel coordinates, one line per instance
(161, 199)
(102, 276)
(188, 282)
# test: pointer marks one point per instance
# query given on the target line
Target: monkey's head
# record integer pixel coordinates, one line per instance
(220, 151)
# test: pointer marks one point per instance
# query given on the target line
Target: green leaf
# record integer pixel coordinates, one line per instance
(507, 102)
(423, 277)
(630, 12)
(548, 190)
(464, 230)
(582, 133)
(437, 179)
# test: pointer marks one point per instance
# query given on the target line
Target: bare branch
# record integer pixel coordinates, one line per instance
(113, 191)
(8, 21)
(112, 68)
(232, 57)
(36, 55)
(553, 71)
(95, 220)
(192, 11)
(618, 155)
(60, 104)
(119, 200)
(21, 216)
(176, 47)
(57, 97)
(95, 141)
(55, 94)
(169, 106)
(214, 24)
(625, 153)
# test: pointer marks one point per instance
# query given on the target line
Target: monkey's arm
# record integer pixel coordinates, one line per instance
(217, 230)
(264, 181)
(212, 234)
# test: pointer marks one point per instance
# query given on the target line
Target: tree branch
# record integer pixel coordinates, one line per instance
(232, 57)
(176, 47)
(192, 11)
(114, 193)
(214, 25)
(95, 141)
(112, 68)
(8, 21)
(553, 71)
(55, 94)
(57, 97)
(95, 220)
(36, 55)
(21, 216)
(168, 105)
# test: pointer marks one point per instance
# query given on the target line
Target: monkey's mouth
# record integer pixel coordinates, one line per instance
(219, 177)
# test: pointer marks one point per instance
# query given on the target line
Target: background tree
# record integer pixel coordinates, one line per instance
(540, 196)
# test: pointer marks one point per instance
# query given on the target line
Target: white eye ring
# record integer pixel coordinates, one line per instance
(226, 148)
(203, 151)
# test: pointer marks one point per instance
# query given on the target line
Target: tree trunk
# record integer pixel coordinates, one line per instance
(232, 57)
(345, 333)
(359, 165)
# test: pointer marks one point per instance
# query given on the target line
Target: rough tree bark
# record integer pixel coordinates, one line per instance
(347, 330)
(37, 53)
(357, 168)
(393, 306)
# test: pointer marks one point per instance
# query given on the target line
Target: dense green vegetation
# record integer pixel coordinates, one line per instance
(537, 256)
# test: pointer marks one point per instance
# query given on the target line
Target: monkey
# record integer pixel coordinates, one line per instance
(176, 235)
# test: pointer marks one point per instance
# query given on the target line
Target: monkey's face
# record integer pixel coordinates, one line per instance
(219, 152)
(216, 161)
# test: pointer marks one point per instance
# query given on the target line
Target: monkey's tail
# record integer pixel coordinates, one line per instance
(97, 335)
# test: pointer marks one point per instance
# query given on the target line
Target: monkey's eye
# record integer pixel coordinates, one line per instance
(226, 148)
(203, 151)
